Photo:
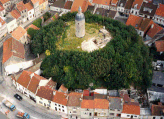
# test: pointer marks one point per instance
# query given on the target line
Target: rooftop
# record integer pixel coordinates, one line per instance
(60, 98)
(115, 103)
(28, 6)
(160, 10)
(4, 1)
(68, 5)
(87, 104)
(15, 14)
(45, 92)
(137, 4)
(59, 3)
(103, 2)
(129, 4)
(63, 89)
(79, 3)
(1, 7)
(74, 99)
(157, 109)
(21, 6)
(131, 109)
(18, 33)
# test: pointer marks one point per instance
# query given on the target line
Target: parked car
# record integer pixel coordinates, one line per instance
(18, 97)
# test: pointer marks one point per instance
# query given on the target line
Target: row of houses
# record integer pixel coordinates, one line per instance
(21, 13)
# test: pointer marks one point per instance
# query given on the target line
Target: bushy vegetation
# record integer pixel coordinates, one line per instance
(46, 16)
(38, 23)
(31, 32)
(123, 62)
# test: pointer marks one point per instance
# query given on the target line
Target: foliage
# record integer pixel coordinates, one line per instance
(31, 32)
(125, 60)
(46, 16)
(38, 23)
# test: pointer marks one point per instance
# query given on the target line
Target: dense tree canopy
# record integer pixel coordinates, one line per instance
(125, 60)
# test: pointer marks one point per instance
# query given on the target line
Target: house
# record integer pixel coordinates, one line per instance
(23, 10)
(30, 11)
(16, 14)
(130, 110)
(63, 89)
(43, 5)
(20, 34)
(82, 3)
(13, 52)
(11, 24)
(115, 106)
(2, 11)
(128, 7)
(5, 3)
(159, 14)
(113, 5)
(59, 101)
(148, 10)
(36, 7)
(140, 24)
(160, 46)
(121, 6)
(157, 111)
(74, 105)
(136, 7)
(153, 30)
(3, 28)
(87, 108)
(101, 3)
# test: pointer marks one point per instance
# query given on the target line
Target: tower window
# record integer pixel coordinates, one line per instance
(78, 23)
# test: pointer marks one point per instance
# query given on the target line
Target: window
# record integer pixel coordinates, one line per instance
(40, 102)
(153, 117)
(90, 114)
(40, 98)
(128, 115)
(59, 105)
(62, 106)
(59, 109)
(55, 104)
(63, 110)
(74, 111)
(161, 118)
(49, 101)
(112, 114)
(29, 12)
(70, 112)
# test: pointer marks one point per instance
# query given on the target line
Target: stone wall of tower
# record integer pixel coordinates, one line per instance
(80, 28)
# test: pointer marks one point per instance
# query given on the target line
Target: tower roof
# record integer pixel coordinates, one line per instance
(79, 16)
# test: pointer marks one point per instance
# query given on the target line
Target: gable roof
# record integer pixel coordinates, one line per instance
(15, 14)
(87, 104)
(12, 47)
(68, 5)
(60, 98)
(160, 10)
(4, 1)
(103, 2)
(129, 4)
(28, 6)
(34, 1)
(45, 92)
(1, 7)
(138, 3)
(131, 108)
(153, 31)
(21, 6)
(82, 3)
(156, 110)
(74, 99)
(101, 104)
(160, 45)
(63, 88)
(18, 32)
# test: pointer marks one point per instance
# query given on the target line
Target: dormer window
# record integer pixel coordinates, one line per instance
(135, 6)
(121, 5)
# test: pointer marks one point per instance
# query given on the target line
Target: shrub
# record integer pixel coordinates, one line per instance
(38, 23)
(46, 16)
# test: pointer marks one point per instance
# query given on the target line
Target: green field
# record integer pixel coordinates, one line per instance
(71, 42)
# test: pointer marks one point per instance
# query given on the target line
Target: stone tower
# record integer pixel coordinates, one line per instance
(80, 24)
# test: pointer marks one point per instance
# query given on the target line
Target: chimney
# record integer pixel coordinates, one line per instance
(160, 103)
(152, 26)
(67, 97)
(31, 75)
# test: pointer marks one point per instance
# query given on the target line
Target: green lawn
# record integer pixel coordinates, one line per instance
(71, 42)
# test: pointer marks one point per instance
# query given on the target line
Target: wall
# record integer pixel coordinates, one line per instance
(85, 113)
(23, 39)
(36, 9)
(113, 113)
(7, 4)
(101, 112)
(158, 19)
(58, 107)
(12, 25)
(3, 30)
(134, 11)
(42, 101)
(72, 109)
(123, 115)
(31, 14)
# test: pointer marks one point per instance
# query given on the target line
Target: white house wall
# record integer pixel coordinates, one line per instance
(31, 14)
(59, 107)
(124, 115)
(12, 25)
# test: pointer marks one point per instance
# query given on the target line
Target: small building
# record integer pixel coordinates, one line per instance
(113, 5)
(20, 34)
(87, 108)
(63, 89)
(16, 14)
(121, 6)
(3, 28)
(136, 7)
(2, 11)
(11, 24)
(13, 52)
(30, 11)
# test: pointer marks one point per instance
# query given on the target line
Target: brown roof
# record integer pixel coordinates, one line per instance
(28, 6)
(129, 4)
(15, 14)
(103, 2)
(4, 1)
(60, 98)
(160, 10)
(148, 6)
(1, 7)
(24, 78)
(82, 3)
(74, 99)
(125, 97)
(160, 45)
(156, 110)
(51, 84)
(100, 96)
(21, 6)
(138, 3)
(2, 21)
(131, 109)
(63, 88)
(87, 104)
(45, 92)
(68, 5)
(101, 104)
(153, 31)
(12, 47)
(18, 33)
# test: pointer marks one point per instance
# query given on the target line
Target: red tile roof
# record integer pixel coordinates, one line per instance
(82, 3)
(138, 3)
(21, 6)
(28, 6)
(87, 104)
(101, 104)
(160, 45)
(45, 92)
(153, 31)
(156, 110)
(4, 1)
(160, 10)
(32, 26)
(51, 84)
(34, 1)
(12, 47)
(103, 2)
(131, 109)
(2, 21)
(114, 2)
(18, 33)
(15, 14)
(63, 88)
(60, 98)
(1, 7)
(85, 92)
